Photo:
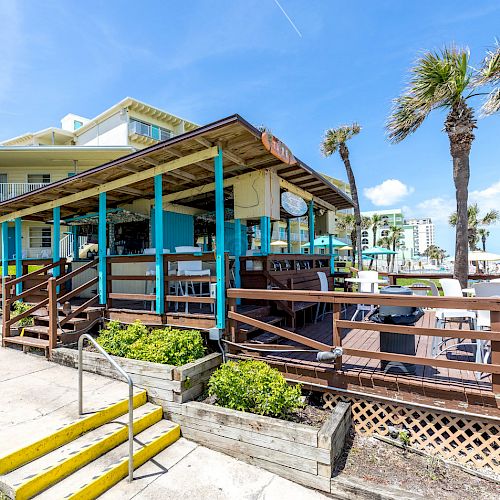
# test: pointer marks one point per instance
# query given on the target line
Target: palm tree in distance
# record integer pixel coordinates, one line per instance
(347, 224)
(483, 234)
(394, 236)
(335, 140)
(445, 80)
(375, 222)
(474, 220)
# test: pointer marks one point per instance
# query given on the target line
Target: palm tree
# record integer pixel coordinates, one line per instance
(489, 74)
(474, 220)
(375, 221)
(483, 233)
(335, 139)
(444, 80)
(347, 224)
(385, 242)
(394, 237)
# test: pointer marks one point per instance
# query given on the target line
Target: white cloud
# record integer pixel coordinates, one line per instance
(488, 198)
(438, 209)
(388, 192)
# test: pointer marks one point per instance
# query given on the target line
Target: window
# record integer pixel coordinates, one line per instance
(40, 237)
(364, 234)
(77, 124)
(148, 130)
(364, 241)
(38, 178)
(282, 233)
(385, 232)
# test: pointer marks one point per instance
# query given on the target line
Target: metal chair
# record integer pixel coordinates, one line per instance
(369, 286)
(323, 281)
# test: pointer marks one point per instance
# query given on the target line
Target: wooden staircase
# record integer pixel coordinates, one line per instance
(53, 324)
(244, 331)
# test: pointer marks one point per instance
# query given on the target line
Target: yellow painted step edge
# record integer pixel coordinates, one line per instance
(59, 471)
(67, 433)
(116, 472)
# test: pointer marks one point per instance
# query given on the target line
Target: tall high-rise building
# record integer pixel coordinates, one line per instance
(424, 234)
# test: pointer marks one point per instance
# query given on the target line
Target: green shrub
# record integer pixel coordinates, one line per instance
(118, 339)
(167, 346)
(255, 387)
(19, 308)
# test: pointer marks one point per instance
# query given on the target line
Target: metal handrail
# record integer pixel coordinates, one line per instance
(130, 396)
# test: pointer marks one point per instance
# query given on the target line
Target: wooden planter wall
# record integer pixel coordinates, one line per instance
(298, 452)
(163, 383)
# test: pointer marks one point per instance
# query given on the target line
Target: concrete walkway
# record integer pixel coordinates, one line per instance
(37, 397)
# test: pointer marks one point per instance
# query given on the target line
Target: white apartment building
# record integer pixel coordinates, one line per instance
(424, 234)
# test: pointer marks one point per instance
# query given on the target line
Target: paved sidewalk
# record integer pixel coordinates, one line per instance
(37, 397)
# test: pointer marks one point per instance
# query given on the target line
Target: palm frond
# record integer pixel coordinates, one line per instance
(489, 74)
(438, 79)
(334, 137)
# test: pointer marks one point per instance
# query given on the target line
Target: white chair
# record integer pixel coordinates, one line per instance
(323, 282)
(191, 268)
(368, 285)
(451, 288)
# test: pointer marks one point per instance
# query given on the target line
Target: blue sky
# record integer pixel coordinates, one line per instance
(207, 59)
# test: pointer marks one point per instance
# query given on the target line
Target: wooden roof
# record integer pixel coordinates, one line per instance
(243, 152)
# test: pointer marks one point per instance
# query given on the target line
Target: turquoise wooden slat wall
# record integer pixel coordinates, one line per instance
(178, 229)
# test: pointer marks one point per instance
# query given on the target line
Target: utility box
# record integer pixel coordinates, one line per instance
(325, 224)
(257, 194)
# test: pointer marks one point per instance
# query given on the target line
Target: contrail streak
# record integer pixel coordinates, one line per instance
(288, 17)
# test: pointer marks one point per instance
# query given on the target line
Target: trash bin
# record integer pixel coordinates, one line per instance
(398, 343)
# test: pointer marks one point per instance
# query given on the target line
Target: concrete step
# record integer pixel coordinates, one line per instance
(98, 476)
(67, 433)
(38, 475)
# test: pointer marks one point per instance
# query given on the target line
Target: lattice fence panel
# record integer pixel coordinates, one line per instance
(468, 441)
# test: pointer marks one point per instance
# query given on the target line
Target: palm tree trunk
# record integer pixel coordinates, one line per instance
(374, 243)
(459, 126)
(354, 246)
(344, 154)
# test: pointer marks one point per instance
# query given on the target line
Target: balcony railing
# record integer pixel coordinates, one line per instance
(12, 189)
(148, 130)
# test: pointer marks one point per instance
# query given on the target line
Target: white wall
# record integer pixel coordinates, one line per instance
(111, 132)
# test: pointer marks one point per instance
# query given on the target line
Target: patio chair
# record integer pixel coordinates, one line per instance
(151, 271)
(370, 286)
(323, 281)
(191, 268)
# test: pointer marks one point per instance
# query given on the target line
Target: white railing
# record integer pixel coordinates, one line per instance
(66, 246)
(10, 190)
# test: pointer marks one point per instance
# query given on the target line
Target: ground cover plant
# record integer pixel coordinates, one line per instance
(19, 308)
(255, 387)
(167, 346)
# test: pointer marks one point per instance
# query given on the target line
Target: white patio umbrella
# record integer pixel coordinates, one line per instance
(480, 256)
(279, 243)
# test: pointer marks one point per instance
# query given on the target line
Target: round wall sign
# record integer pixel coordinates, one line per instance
(293, 204)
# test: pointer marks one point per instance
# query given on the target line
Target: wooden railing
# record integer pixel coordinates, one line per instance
(56, 293)
(394, 277)
(339, 299)
(170, 277)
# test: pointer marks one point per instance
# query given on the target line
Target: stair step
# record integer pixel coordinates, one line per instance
(99, 475)
(72, 321)
(27, 341)
(271, 320)
(67, 433)
(49, 469)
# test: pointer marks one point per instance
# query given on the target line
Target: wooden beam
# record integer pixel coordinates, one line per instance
(181, 175)
(202, 164)
(227, 153)
(116, 184)
(126, 190)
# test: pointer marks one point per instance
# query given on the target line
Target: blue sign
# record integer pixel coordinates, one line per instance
(293, 204)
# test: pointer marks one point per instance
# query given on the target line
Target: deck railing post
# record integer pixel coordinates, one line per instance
(52, 307)
(102, 246)
(219, 242)
(159, 268)
(337, 336)
(237, 253)
(6, 306)
(311, 227)
(288, 236)
(19, 252)
(5, 248)
(495, 351)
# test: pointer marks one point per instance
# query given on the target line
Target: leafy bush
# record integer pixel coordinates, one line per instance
(167, 346)
(255, 387)
(19, 308)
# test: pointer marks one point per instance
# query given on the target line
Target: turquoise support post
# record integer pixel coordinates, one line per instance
(311, 227)
(330, 251)
(5, 248)
(237, 253)
(219, 241)
(56, 254)
(19, 253)
(102, 244)
(76, 248)
(160, 278)
(288, 237)
(265, 235)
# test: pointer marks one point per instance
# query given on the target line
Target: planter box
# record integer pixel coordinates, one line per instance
(298, 452)
(164, 383)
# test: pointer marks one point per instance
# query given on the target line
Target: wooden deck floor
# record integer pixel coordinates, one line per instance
(448, 388)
